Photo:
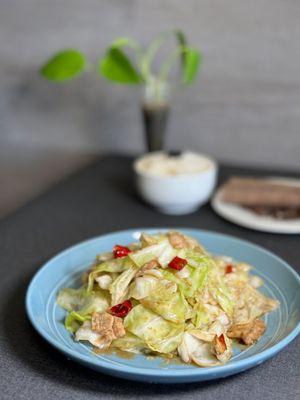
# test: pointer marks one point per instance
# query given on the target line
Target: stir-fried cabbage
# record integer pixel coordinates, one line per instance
(167, 295)
(119, 288)
(159, 334)
(98, 301)
(73, 321)
(193, 349)
(131, 343)
(86, 333)
(71, 299)
(162, 251)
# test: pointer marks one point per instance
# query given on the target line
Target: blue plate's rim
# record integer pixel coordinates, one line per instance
(131, 371)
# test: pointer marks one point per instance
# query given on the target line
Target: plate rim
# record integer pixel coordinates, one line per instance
(134, 371)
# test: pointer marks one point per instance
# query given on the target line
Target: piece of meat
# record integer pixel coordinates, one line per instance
(248, 333)
(180, 241)
(85, 333)
(147, 240)
(102, 323)
(177, 240)
(148, 267)
(118, 327)
(109, 326)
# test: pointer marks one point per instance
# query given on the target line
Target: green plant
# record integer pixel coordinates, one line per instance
(119, 67)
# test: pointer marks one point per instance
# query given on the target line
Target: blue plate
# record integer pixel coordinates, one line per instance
(281, 282)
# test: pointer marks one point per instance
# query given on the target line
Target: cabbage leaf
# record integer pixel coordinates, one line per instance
(160, 335)
(114, 265)
(197, 350)
(131, 343)
(160, 296)
(119, 288)
(98, 301)
(71, 299)
(74, 320)
(162, 251)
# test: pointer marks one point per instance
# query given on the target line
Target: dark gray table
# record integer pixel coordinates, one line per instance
(98, 200)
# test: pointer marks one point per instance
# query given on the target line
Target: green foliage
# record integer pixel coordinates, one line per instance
(182, 42)
(64, 65)
(134, 68)
(116, 67)
(192, 58)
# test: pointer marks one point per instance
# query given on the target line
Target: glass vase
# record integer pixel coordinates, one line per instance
(155, 111)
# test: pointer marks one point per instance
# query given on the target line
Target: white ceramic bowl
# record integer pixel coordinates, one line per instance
(176, 194)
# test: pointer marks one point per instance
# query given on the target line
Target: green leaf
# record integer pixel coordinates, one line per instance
(182, 41)
(64, 65)
(116, 67)
(190, 66)
(125, 41)
(181, 38)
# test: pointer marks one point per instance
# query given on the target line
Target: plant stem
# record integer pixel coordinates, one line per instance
(156, 91)
(150, 53)
(167, 65)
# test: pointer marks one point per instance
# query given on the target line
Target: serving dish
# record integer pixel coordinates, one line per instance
(249, 219)
(281, 282)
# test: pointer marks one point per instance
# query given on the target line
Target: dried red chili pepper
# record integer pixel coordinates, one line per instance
(121, 251)
(229, 269)
(178, 263)
(122, 309)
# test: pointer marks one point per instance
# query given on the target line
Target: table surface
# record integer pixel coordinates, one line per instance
(97, 200)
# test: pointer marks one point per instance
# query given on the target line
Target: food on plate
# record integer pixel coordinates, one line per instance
(166, 295)
(263, 196)
(162, 164)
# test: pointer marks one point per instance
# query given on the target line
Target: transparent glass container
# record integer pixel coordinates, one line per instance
(155, 111)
